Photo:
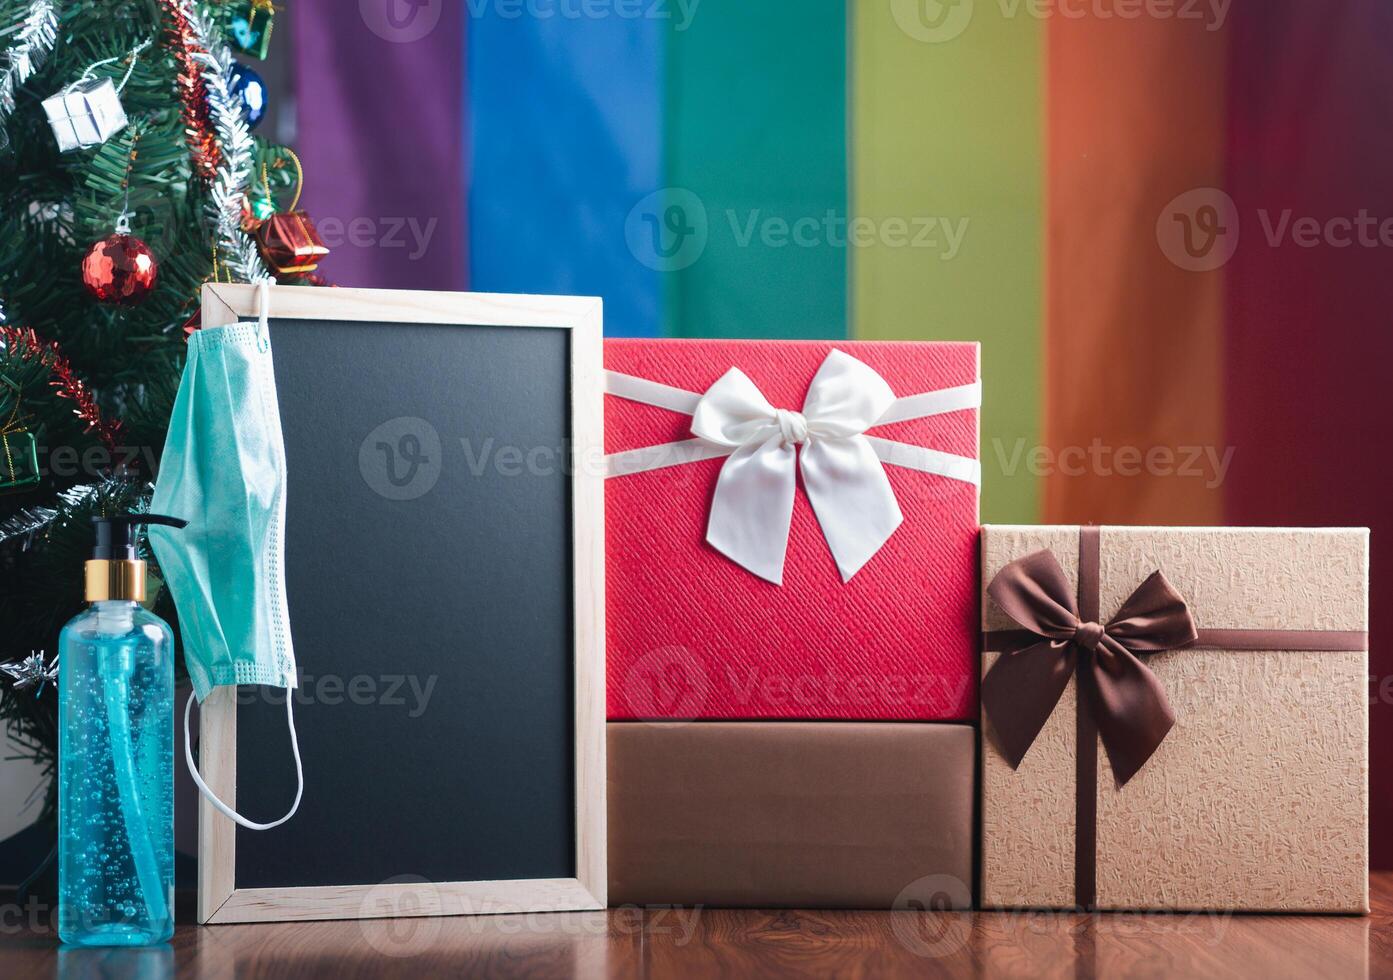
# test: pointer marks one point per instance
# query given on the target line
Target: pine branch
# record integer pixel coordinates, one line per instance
(31, 44)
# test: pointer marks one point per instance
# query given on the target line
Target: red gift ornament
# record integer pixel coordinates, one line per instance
(290, 244)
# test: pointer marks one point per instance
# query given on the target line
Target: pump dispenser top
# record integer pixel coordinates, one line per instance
(115, 571)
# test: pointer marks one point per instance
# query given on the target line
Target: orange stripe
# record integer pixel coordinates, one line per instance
(1133, 341)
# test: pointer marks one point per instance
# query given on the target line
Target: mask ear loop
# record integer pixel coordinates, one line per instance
(263, 310)
(222, 807)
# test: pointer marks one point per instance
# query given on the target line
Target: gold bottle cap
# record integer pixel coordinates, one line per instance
(109, 579)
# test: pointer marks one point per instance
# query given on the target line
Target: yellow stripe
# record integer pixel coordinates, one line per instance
(946, 161)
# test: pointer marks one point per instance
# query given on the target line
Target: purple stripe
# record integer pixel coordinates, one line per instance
(381, 134)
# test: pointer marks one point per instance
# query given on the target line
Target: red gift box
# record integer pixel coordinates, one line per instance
(694, 634)
(290, 243)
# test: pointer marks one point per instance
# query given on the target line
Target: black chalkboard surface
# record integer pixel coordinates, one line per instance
(441, 557)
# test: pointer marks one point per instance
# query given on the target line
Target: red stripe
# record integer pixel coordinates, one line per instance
(1309, 341)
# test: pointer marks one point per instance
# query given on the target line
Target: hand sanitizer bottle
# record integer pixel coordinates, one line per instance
(116, 754)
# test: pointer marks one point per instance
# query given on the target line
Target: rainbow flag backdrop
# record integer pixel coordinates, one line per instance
(1169, 224)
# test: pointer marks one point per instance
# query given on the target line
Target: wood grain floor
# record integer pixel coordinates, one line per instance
(712, 942)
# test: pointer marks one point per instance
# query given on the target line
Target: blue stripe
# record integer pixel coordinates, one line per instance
(565, 138)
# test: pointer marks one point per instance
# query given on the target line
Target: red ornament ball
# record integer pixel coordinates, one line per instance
(120, 269)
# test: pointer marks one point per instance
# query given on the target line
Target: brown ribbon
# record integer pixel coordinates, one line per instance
(1119, 698)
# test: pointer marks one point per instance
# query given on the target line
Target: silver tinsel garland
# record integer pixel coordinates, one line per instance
(33, 41)
(31, 672)
(30, 522)
(237, 250)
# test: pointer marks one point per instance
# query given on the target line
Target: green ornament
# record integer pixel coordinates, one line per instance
(250, 28)
(19, 460)
(19, 450)
(262, 208)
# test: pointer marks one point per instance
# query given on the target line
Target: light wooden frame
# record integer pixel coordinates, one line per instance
(219, 898)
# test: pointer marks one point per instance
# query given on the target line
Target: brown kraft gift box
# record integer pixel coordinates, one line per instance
(1209, 744)
(791, 814)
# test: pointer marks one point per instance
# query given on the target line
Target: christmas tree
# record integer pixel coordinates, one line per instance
(128, 177)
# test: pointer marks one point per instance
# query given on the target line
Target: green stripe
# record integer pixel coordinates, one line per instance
(952, 130)
(756, 130)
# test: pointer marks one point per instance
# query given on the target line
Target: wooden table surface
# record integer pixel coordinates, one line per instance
(712, 942)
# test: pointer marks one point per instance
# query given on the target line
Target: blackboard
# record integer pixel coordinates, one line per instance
(444, 581)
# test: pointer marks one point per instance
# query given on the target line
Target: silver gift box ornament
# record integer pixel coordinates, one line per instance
(85, 114)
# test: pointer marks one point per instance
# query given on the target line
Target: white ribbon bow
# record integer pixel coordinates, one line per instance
(847, 486)
(842, 472)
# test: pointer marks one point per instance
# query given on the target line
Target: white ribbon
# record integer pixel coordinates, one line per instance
(841, 466)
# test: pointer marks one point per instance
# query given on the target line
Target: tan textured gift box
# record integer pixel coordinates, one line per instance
(1257, 798)
(791, 814)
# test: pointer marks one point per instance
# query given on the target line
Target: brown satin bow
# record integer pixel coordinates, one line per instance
(1021, 690)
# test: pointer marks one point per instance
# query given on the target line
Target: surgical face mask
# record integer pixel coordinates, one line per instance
(223, 471)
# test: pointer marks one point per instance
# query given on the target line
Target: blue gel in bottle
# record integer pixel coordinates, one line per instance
(116, 757)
